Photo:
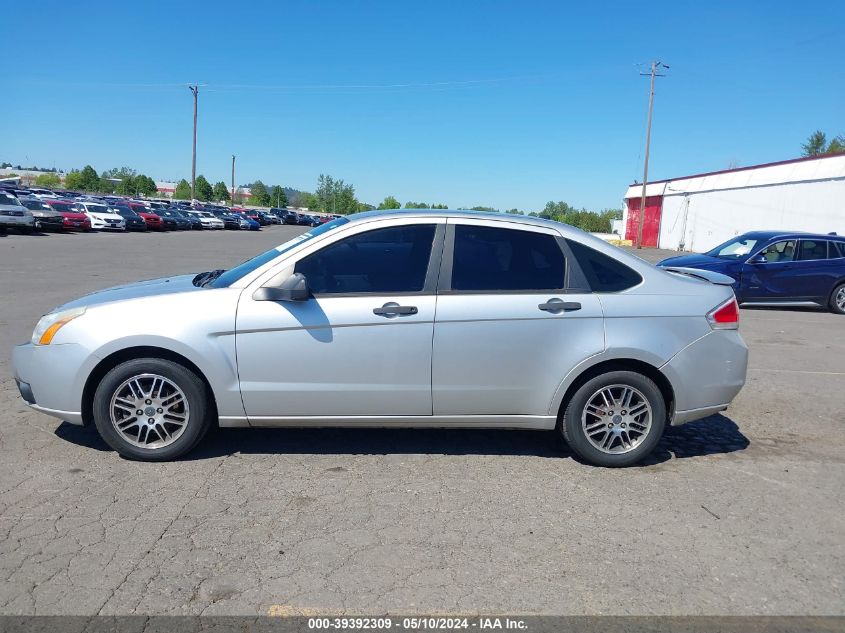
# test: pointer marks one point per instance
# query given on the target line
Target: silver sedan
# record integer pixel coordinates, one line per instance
(411, 318)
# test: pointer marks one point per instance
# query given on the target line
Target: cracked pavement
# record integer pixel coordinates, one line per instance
(737, 514)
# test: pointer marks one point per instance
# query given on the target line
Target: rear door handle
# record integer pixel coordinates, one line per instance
(557, 305)
(394, 309)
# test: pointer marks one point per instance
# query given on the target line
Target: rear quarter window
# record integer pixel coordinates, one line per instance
(603, 273)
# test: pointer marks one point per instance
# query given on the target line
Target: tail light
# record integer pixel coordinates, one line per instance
(724, 316)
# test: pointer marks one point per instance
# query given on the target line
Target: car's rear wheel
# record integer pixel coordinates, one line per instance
(151, 409)
(837, 299)
(615, 419)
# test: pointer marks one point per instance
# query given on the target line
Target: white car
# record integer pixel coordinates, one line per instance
(14, 215)
(209, 221)
(102, 218)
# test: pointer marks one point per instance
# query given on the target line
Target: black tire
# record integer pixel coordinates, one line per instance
(195, 427)
(832, 304)
(573, 432)
(26, 230)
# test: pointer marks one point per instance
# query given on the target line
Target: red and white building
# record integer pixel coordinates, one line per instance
(695, 213)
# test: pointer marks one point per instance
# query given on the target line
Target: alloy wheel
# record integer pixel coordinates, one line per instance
(149, 411)
(616, 419)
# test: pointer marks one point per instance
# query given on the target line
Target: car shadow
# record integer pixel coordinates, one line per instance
(716, 434)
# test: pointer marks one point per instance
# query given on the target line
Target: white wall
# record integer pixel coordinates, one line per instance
(716, 216)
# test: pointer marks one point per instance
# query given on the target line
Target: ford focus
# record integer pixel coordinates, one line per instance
(405, 318)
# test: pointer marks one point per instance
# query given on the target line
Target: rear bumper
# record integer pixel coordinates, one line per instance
(707, 374)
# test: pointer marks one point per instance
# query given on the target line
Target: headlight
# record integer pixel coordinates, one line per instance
(50, 324)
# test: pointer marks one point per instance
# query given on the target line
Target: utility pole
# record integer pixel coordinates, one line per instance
(195, 91)
(233, 179)
(654, 66)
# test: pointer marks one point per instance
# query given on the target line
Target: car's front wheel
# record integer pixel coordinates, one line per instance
(837, 299)
(615, 419)
(151, 409)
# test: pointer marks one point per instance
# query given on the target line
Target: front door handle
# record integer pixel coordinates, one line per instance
(557, 305)
(394, 309)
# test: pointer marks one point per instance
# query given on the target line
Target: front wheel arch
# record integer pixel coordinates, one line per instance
(621, 364)
(130, 353)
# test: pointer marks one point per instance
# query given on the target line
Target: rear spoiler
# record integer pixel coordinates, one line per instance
(705, 275)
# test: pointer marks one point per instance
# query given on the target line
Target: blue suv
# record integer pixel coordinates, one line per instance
(777, 268)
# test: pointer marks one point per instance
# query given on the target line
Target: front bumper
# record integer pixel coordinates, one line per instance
(707, 374)
(14, 221)
(51, 377)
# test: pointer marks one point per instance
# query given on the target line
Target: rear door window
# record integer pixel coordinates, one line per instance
(502, 259)
(809, 250)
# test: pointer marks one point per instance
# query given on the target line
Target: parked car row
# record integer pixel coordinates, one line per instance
(36, 209)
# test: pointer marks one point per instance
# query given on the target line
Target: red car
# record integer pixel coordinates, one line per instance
(252, 214)
(153, 221)
(74, 218)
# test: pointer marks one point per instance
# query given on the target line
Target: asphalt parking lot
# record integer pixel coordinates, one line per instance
(741, 513)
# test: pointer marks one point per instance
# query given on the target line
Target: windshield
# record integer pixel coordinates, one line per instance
(231, 276)
(97, 208)
(5, 198)
(734, 249)
(35, 205)
(126, 212)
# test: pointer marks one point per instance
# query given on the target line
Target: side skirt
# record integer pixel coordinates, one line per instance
(541, 422)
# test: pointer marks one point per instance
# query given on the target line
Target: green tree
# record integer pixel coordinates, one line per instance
(816, 144)
(203, 189)
(440, 206)
(258, 194)
(182, 191)
(278, 197)
(335, 196)
(145, 185)
(221, 192)
(514, 211)
(105, 185)
(308, 200)
(389, 203)
(837, 145)
(73, 180)
(416, 205)
(47, 180)
(126, 186)
(90, 178)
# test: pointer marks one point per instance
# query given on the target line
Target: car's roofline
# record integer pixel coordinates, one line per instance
(769, 235)
(463, 213)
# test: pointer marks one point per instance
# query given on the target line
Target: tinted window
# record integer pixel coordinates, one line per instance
(603, 273)
(812, 249)
(387, 260)
(837, 249)
(779, 252)
(487, 258)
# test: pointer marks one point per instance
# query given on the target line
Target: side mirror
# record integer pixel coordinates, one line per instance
(758, 259)
(294, 288)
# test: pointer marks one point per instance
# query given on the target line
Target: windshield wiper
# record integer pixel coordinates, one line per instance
(203, 279)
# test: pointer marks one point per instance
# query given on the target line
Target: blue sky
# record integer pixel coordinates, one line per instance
(505, 104)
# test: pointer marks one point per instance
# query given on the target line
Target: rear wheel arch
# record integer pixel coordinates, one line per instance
(621, 364)
(131, 353)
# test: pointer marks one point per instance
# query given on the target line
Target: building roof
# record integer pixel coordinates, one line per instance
(807, 169)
